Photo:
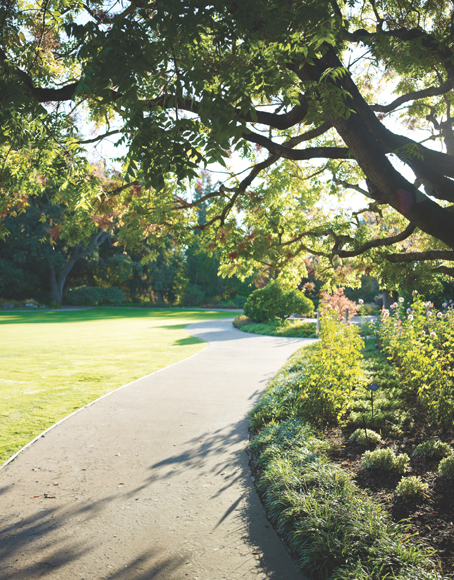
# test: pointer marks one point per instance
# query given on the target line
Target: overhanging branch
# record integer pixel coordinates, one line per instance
(413, 96)
(380, 243)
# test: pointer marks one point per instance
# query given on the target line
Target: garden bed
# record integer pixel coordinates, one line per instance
(321, 499)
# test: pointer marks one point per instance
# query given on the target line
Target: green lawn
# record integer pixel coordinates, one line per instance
(54, 362)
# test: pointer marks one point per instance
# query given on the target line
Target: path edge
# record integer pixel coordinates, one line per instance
(43, 434)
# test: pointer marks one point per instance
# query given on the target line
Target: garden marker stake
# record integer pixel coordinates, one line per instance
(374, 387)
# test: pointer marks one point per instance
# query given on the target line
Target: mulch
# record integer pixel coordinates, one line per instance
(429, 517)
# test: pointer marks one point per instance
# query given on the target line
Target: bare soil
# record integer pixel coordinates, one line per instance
(430, 516)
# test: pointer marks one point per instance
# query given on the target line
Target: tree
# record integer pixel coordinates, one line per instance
(186, 82)
(34, 258)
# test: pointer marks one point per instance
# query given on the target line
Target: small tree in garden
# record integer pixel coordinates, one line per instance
(276, 300)
(339, 303)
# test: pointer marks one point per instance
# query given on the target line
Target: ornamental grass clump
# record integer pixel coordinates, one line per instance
(410, 486)
(446, 467)
(419, 341)
(432, 448)
(365, 437)
(384, 459)
(333, 371)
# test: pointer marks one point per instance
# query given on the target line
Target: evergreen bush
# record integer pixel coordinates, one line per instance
(276, 300)
(410, 486)
(384, 459)
(432, 448)
(446, 467)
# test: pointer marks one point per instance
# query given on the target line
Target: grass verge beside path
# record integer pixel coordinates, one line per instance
(335, 530)
(55, 362)
(294, 328)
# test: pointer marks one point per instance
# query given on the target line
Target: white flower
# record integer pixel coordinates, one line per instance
(423, 332)
(360, 301)
(410, 317)
(394, 305)
(401, 299)
(439, 315)
(433, 335)
(429, 313)
(414, 292)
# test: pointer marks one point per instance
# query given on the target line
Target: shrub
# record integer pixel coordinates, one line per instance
(384, 459)
(432, 448)
(410, 486)
(365, 437)
(241, 320)
(339, 303)
(275, 299)
(446, 467)
(333, 371)
(94, 296)
(54, 305)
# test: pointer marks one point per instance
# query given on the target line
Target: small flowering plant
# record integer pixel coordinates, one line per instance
(419, 340)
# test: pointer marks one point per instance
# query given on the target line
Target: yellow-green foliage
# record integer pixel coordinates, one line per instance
(333, 371)
(446, 467)
(410, 486)
(420, 341)
(432, 448)
(241, 320)
(384, 459)
(365, 437)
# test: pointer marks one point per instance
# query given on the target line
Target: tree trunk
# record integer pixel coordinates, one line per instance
(57, 281)
(56, 289)
(389, 298)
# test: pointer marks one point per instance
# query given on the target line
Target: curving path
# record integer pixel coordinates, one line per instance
(151, 481)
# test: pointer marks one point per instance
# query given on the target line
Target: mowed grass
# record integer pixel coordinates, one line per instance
(54, 362)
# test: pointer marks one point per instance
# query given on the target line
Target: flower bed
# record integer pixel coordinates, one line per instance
(337, 506)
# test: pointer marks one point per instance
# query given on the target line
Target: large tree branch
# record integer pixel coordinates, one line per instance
(413, 96)
(428, 41)
(444, 270)
(421, 256)
(299, 154)
(427, 164)
(380, 243)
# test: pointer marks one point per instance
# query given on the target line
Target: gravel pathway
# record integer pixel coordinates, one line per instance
(151, 481)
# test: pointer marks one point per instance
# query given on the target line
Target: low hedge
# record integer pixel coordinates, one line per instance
(94, 296)
(334, 529)
(296, 329)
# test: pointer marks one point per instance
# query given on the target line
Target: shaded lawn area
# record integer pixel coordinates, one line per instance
(54, 362)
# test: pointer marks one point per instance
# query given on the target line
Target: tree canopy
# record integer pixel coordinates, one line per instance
(319, 96)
